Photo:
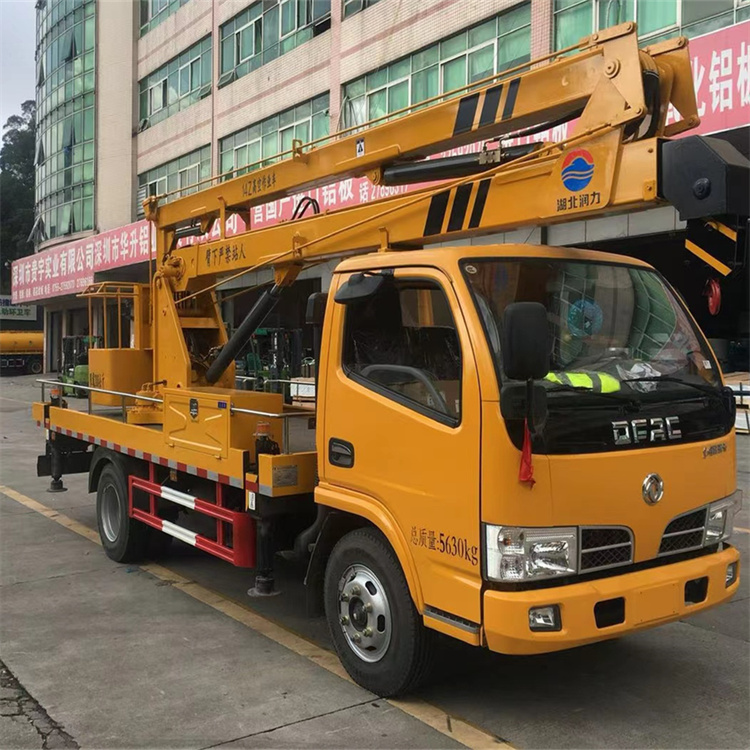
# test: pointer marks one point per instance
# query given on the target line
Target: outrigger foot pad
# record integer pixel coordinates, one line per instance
(56, 485)
(264, 586)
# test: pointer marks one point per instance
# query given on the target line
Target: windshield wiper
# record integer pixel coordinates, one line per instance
(708, 389)
(621, 398)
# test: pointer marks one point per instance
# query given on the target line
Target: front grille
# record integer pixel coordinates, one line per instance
(605, 547)
(684, 532)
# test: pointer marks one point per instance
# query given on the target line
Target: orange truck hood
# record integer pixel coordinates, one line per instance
(602, 488)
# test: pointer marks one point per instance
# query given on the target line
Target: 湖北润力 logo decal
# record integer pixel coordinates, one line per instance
(577, 169)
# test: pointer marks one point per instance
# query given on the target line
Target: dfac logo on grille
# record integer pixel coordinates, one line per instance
(653, 489)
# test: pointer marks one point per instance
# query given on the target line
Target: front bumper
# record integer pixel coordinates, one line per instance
(652, 597)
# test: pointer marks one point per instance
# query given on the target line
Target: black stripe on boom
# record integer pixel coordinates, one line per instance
(436, 214)
(489, 108)
(467, 108)
(510, 100)
(478, 210)
(460, 204)
(711, 241)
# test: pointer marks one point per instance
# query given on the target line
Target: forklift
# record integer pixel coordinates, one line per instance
(273, 354)
(75, 363)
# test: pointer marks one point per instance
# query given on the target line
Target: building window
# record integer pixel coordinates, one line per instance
(178, 177)
(354, 6)
(575, 19)
(153, 12)
(266, 30)
(181, 82)
(253, 147)
(471, 55)
(65, 98)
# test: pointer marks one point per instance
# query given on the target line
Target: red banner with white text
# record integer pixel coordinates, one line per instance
(69, 268)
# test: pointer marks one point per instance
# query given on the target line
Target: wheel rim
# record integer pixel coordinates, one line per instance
(110, 513)
(364, 613)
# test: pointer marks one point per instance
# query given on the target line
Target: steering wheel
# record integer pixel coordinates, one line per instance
(415, 374)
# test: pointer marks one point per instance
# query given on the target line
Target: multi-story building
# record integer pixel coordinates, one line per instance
(159, 96)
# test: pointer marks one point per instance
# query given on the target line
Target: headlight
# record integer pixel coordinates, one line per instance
(720, 518)
(520, 554)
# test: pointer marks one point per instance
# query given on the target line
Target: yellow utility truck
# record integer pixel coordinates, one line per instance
(527, 448)
(21, 351)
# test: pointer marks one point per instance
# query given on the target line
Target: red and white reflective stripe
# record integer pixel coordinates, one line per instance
(184, 535)
(241, 552)
(181, 498)
(153, 458)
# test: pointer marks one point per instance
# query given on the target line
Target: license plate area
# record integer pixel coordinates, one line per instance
(656, 602)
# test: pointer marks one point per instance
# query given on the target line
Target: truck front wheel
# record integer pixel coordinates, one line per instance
(123, 538)
(376, 630)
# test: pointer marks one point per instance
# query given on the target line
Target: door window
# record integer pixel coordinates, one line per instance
(402, 342)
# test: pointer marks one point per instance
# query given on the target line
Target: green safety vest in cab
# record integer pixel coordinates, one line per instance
(598, 382)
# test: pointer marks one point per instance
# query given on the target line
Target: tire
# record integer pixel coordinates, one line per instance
(35, 367)
(363, 572)
(123, 538)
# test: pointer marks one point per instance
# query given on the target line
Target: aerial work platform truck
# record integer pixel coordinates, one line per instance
(526, 448)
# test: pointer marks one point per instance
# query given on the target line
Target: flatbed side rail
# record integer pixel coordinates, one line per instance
(284, 416)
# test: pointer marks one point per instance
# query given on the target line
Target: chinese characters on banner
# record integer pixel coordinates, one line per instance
(721, 75)
(69, 268)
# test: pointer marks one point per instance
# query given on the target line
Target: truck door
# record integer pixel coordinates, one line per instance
(402, 430)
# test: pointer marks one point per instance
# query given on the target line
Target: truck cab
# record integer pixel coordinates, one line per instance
(542, 436)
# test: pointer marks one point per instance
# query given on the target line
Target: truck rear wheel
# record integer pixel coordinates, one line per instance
(123, 538)
(375, 627)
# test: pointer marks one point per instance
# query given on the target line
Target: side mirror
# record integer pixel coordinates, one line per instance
(316, 308)
(525, 341)
(359, 286)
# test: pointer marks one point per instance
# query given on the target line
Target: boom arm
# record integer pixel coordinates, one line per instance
(607, 67)
(611, 163)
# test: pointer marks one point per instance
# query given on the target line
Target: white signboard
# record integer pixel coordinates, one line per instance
(9, 311)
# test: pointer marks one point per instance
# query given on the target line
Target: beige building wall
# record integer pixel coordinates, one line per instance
(179, 134)
(174, 35)
(115, 178)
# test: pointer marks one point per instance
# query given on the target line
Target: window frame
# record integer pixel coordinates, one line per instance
(265, 35)
(238, 59)
(353, 104)
(410, 276)
(160, 178)
(164, 91)
(347, 4)
(168, 77)
(678, 27)
(150, 15)
(294, 122)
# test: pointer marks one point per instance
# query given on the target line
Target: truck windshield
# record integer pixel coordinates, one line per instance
(614, 328)
(623, 348)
